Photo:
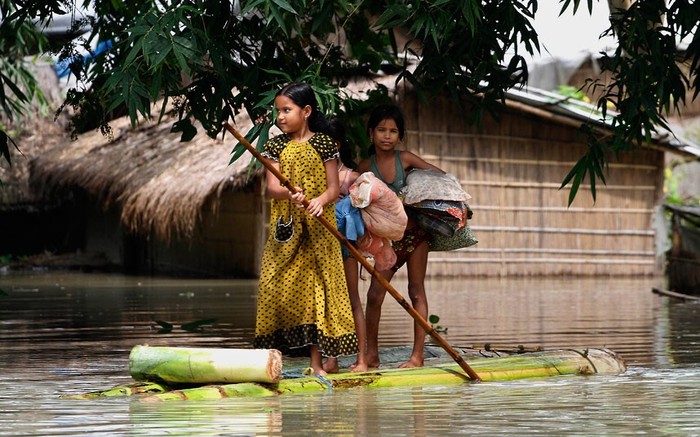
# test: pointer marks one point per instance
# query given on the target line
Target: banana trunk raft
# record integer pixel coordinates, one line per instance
(167, 373)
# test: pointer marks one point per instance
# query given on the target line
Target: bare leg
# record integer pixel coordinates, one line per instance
(417, 264)
(331, 365)
(317, 362)
(375, 298)
(352, 278)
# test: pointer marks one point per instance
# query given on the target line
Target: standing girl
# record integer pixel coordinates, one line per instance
(386, 130)
(303, 304)
(352, 228)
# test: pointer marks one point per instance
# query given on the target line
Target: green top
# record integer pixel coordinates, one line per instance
(400, 178)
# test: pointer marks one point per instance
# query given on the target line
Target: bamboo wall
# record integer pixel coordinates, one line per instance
(513, 169)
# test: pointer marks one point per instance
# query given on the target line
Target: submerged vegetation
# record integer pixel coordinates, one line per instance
(195, 326)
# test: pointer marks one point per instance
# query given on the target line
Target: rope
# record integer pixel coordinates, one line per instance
(324, 381)
(584, 354)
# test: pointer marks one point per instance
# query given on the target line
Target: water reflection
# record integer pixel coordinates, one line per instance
(71, 333)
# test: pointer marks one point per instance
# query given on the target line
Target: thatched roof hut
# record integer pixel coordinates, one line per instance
(160, 183)
(164, 193)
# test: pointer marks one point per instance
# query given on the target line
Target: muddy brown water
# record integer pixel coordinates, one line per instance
(70, 333)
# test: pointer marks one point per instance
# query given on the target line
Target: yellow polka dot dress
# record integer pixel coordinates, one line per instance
(302, 297)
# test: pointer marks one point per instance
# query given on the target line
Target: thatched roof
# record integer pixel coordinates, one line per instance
(38, 135)
(161, 183)
(34, 133)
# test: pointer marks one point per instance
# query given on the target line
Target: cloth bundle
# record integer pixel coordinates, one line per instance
(383, 215)
(441, 216)
(440, 207)
(349, 219)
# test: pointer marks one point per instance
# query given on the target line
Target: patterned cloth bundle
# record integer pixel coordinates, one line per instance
(439, 205)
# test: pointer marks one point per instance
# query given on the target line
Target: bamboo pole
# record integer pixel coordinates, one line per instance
(674, 294)
(358, 256)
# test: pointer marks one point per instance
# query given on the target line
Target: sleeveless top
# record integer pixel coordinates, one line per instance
(399, 179)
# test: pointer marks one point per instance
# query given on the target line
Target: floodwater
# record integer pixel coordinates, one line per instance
(71, 333)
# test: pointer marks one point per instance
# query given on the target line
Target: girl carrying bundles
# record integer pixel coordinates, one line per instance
(386, 129)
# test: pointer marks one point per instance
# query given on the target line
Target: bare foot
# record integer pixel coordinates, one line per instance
(358, 367)
(319, 371)
(411, 363)
(373, 362)
(331, 365)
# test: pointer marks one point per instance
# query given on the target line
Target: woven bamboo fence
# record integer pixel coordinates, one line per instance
(513, 168)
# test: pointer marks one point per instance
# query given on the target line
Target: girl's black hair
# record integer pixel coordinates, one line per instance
(346, 155)
(385, 112)
(302, 95)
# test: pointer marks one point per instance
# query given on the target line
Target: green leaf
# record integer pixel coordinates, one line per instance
(138, 30)
(238, 151)
(277, 16)
(194, 326)
(165, 327)
(4, 148)
(14, 88)
(264, 135)
(286, 6)
(136, 51)
(185, 126)
(160, 55)
(575, 176)
(252, 6)
(5, 141)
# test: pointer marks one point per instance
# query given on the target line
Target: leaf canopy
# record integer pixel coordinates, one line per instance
(212, 59)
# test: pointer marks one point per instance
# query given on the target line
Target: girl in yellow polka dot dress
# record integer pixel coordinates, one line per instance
(303, 304)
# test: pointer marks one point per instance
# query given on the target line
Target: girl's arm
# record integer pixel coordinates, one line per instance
(332, 190)
(350, 174)
(411, 160)
(363, 166)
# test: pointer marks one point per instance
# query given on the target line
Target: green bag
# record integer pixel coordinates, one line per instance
(463, 237)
